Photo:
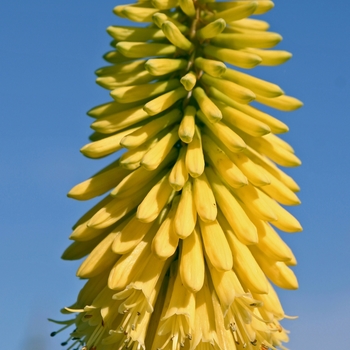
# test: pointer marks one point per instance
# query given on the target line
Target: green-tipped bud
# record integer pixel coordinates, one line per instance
(212, 67)
(211, 30)
(189, 81)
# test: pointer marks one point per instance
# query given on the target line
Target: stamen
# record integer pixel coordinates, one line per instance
(60, 330)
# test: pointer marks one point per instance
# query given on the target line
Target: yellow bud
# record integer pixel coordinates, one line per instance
(174, 35)
(189, 81)
(141, 49)
(212, 67)
(162, 66)
(211, 30)
(241, 58)
(207, 106)
(187, 126)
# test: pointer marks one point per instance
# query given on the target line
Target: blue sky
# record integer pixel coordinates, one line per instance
(48, 53)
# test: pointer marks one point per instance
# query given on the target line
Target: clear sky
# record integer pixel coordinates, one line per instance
(48, 53)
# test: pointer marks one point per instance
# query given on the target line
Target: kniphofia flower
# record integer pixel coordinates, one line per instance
(182, 251)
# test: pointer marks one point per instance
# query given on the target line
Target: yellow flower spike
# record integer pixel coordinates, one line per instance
(204, 198)
(162, 66)
(149, 130)
(211, 30)
(194, 155)
(187, 126)
(189, 81)
(211, 67)
(174, 35)
(179, 175)
(208, 108)
(232, 210)
(186, 215)
(192, 268)
(179, 252)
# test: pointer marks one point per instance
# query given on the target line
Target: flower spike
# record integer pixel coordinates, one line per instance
(183, 250)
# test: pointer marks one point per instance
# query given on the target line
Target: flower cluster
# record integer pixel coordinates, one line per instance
(182, 250)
